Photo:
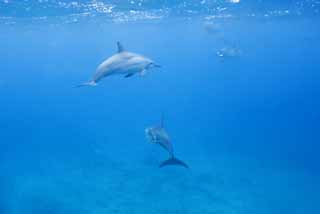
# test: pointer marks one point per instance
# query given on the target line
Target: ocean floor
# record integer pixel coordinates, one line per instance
(223, 185)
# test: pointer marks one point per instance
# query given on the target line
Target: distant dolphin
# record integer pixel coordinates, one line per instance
(228, 52)
(159, 136)
(123, 63)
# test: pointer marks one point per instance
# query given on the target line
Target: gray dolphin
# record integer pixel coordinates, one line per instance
(122, 63)
(158, 135)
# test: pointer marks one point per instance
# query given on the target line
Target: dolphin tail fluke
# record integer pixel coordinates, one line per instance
(91, 83)
(173, 161)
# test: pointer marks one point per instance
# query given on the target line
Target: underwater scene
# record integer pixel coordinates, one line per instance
(159, 107)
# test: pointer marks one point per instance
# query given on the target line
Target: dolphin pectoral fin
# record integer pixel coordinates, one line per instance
(129, 75)
(173, 161)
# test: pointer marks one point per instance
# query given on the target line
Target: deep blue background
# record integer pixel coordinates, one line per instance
(265, 100)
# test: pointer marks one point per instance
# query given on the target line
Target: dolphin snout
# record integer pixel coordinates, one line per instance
(149, 135)
(148, 132)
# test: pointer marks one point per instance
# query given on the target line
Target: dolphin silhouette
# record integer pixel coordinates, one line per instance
(158, 135)
(122, 63)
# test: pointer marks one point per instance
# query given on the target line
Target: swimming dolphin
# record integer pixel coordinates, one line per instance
(158, 135)
(229, 52)
(123, 63)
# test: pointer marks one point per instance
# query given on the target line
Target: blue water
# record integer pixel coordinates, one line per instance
(238, 88)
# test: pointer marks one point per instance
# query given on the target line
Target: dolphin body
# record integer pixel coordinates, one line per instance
(158, 135)
(122, 63)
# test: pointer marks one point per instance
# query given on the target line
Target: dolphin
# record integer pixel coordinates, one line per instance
(122, 63)
(158, 135)
(229, 52)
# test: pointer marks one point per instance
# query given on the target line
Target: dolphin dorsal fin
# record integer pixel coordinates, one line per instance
(162, 121)
(120, 47)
